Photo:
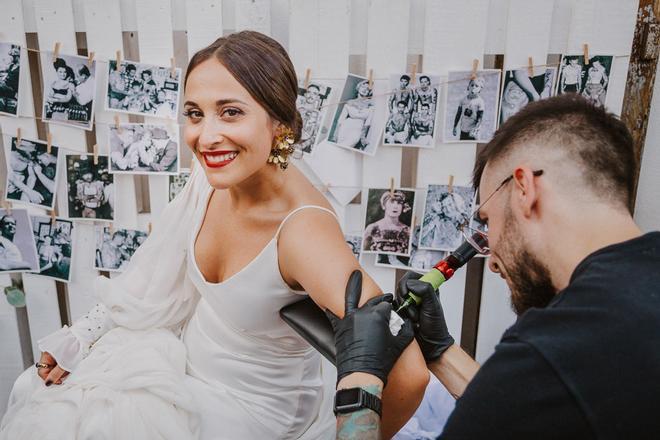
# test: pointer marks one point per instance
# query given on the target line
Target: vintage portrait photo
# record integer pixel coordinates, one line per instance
(420, 260)
(114, 248)
(10, 68)
(54, 246)
(18, 252)
(311, 105)
(354, 122)
(471, 106)
(69, 90)
(590, 81)
(444, 213)
(90, 188)
(520, 88)
(412, 111)
(144, 148)
(143, 89)
(32, 173)
(354, 242)
(177, 182)
(387, 222)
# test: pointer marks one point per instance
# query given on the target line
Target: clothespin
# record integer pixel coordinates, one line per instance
(308, 75)
(475, 67)
(585, 49)
(391, 185)
(117, 126)
(96, 154)
(371, 78)
(530, 67)
(149, 228)
(413, 74)
(118, 59)
(412, 223)
(172, 67)
(7, 206)
(19, 138)
(53, 217)
(49, 143)
(90, 59)
(56, 50)
(450, 187)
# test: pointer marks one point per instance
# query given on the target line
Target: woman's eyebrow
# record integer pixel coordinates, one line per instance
(218, 103)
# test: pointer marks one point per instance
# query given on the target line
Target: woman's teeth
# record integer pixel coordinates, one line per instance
(212, 158)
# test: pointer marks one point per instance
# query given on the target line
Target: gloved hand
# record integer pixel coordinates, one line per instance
(363, 338)
(428, 318)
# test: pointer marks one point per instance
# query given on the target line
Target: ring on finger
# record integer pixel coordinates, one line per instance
(43, 365)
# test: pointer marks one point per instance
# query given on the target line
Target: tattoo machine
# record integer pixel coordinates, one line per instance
(446, 267)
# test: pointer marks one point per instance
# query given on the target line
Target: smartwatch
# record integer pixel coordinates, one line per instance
(349, 400)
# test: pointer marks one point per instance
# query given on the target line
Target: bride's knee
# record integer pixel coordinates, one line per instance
(24, 385)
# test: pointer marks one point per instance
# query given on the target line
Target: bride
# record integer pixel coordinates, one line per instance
(187, 342)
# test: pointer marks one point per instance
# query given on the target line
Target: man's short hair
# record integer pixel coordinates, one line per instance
(406, 77)
(597, 141)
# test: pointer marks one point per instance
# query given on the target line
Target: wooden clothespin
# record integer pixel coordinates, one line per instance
(49, 143)
(90, 59)
(118, 59)
(530, 67)
(149, 228)
(7, 206)
(370, 78)
(475, 67)
(391, 185)
(56, 50)
(585, 50)
(117, 124)
(172, 67)
(413, 74)
(96, 154)
(450, 187)
(19, 138)
(53, 217)
(308, 75)
(413, 222)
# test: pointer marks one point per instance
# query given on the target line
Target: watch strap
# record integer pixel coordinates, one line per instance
(365, 400)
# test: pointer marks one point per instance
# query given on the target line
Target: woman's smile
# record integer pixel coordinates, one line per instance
(218, 159)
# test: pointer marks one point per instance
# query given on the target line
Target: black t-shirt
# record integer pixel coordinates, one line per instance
(586, 366)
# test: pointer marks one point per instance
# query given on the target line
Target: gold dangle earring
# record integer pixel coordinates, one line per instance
(283, 147)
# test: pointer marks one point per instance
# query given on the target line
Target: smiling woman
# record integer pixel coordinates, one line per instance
(233, 248)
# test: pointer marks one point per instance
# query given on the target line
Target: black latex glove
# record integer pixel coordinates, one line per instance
(363, 338)
(428, 318)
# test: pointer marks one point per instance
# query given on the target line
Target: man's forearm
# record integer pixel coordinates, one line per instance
(455, 369)
(363, 424)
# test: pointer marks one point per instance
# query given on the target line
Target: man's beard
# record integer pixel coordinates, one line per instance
(528, 278)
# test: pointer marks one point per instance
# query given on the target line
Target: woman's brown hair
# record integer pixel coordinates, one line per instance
(262, 66)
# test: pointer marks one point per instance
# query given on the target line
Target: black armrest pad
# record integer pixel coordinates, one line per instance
(306, 318)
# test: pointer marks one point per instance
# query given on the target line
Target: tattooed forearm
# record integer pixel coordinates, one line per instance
(360, 425)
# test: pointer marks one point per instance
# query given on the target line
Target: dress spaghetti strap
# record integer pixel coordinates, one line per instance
(289, 215)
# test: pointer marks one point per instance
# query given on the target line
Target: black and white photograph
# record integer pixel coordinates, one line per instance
(10, 69)
(90, 188)
(177, 182)
(471, 106)
(18, 252)
(520, 88)
(590, 81)
(420, 260)
(354, 242)
(355, 124)
(143, 89)
(144, 148)
(114, 248)
(32, 173)
(69, 90)
(387, 221)
(311, 104)
(54, 246)
(412, 110)
(445, 212)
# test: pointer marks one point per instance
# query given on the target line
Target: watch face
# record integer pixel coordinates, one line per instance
(347, 397)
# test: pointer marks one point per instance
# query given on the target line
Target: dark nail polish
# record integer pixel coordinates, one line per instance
(48, 383)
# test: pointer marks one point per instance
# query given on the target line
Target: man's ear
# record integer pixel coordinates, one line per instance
(526, 191)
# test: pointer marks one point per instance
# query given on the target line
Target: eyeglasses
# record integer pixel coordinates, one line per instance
(477, 235)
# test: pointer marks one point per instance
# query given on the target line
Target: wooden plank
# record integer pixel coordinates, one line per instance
(203, 23)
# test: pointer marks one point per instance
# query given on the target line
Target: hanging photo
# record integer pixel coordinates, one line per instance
(388, 220)
(177, 182)
(471, 106)
(114, 248)
(143, 89)
(90, 188)
(10, 68)
(18, 252)
(420, 260)
(521, 88)
(354, 242)
(311, 105)
(69, 90)
(54, 246)
(356, 124)
(444, 214)
(590, 81)
(412, 110)
(144, 149)
(32, 173)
